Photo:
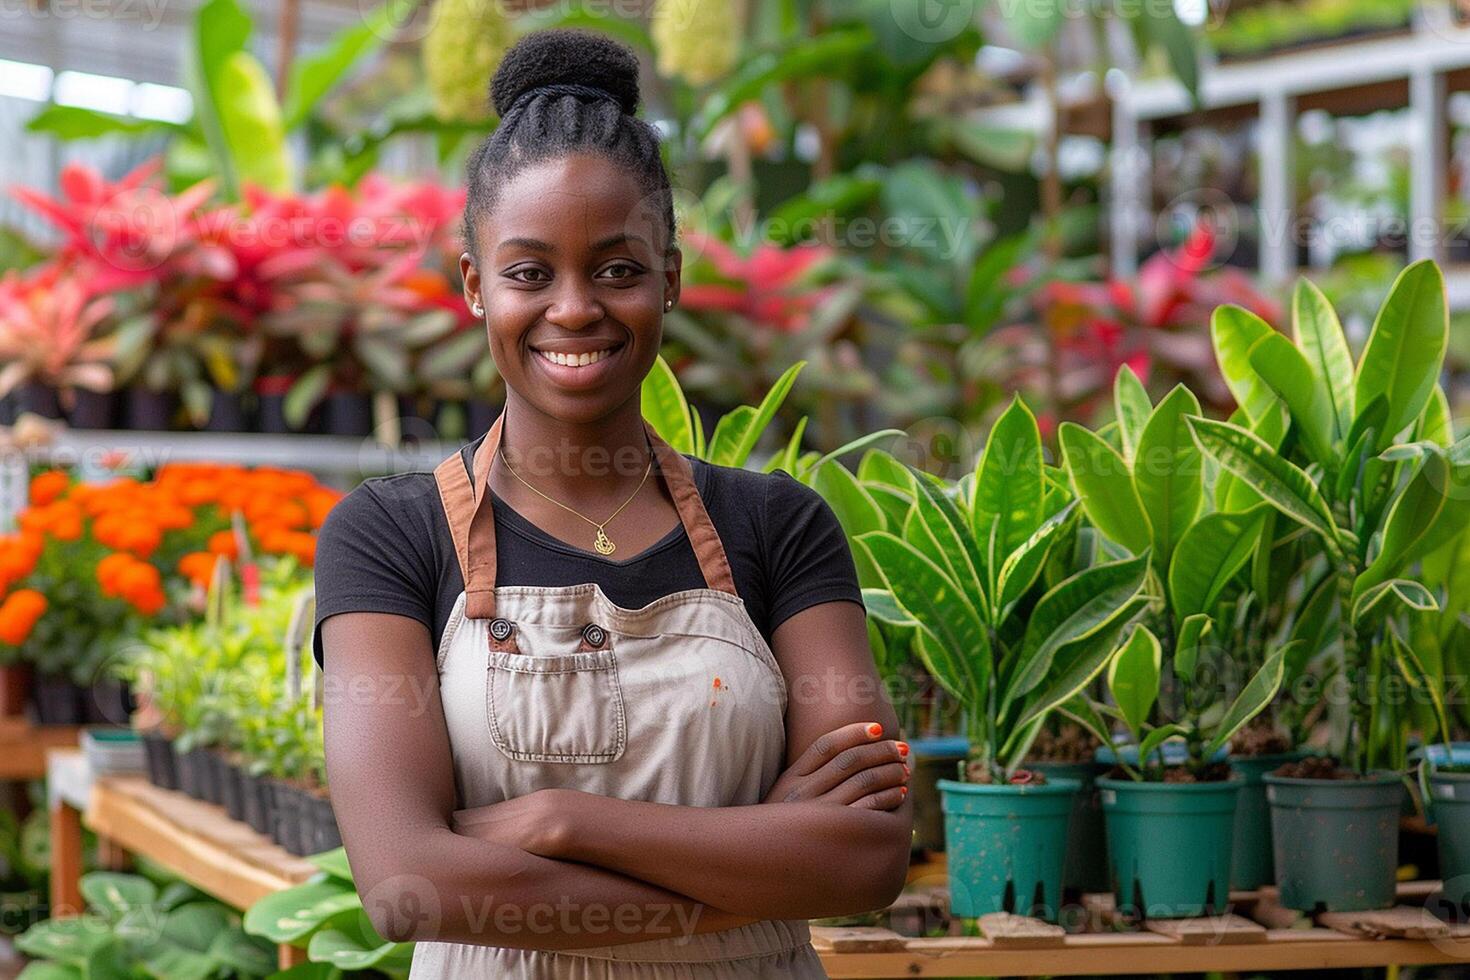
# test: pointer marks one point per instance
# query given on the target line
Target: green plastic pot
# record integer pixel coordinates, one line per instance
(1170, 845)
(1006, 846)
(1087, 842)
(1253, 865)
(1336, 841)
(1449, 794)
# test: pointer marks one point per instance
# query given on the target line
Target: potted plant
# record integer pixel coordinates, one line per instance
(48, 321)
(1141, 484)
(1373, 510)
(1192, 805)
(1013, 636)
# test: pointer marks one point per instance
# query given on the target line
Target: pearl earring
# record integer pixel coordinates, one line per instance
(477, 310)
(668, 304)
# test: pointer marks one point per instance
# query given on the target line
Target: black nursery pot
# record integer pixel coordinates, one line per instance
(38, 398)
(214, 779)
(325, 835)
(232, 793)
(109, 701)
(163, 766)
(58, 701)
(255, 794)
(151, 411)
(348, 413)
(196, 775)
(227, 413)
(93, 410)
(286, 819)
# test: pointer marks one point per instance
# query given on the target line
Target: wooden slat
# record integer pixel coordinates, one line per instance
(1117, 953)
(855, 939)
(195, 840)
(1007, 931)
(23, 746)
(1209, 930)
(1399, 922)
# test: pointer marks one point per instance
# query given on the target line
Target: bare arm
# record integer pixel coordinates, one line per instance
(814, 858)
(392, 779)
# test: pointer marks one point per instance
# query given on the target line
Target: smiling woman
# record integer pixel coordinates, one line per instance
(650, 766)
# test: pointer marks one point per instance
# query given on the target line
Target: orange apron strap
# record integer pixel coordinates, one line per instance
(679, 476)
(467, 508)
(472, 523)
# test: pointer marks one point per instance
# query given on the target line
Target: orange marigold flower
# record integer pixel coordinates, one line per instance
(48, 486)
(174, 517)
(18, 615)
(224, 543)
(148, 603)
(110, 569)
(198, 566)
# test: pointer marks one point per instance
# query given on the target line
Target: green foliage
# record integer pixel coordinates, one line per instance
(326, 917)
(131, 929)
(961, 569)
(1375, 508)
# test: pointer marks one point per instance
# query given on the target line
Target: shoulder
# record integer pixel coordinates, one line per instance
(383, 500)
(770, 503)
(386, 518)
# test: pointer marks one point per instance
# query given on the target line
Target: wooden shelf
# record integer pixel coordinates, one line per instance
(1259, 936)
(195, 840)
(23, 746)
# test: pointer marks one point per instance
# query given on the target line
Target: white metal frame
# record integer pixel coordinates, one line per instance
(1274, 84)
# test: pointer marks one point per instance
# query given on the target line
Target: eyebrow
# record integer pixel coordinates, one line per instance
(536, 245)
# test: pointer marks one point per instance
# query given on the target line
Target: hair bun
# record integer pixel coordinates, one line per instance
(564, 56)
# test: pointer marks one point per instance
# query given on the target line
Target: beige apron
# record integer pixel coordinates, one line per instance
(678, 702)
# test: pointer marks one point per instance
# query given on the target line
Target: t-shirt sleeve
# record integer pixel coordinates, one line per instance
(368, 561)
(808, 559)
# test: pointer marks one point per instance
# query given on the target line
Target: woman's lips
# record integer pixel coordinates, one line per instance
(579, 370)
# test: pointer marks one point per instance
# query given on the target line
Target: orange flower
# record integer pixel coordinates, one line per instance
(66, 520)
(48, 486)
(224, 543)
(110, 569)
(198, 567)
(174, 517)
(319, 503)
(18, 615)
(18, 556)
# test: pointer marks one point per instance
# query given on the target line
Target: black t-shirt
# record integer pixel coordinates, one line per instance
(386, 548)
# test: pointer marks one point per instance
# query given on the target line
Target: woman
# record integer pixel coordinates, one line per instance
(562, 671)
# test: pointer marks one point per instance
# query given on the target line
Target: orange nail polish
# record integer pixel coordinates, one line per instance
(903, 749)
(874, 730)
(903, 791)
(905, 769)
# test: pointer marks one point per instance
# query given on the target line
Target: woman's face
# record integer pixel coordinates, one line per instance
(573, 275)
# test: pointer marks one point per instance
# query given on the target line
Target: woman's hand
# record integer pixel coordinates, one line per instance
(536, 823)
(852, 766)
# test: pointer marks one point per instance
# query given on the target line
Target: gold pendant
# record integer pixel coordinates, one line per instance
(604, 544)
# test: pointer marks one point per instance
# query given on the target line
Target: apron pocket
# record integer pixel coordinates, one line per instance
(565, 708)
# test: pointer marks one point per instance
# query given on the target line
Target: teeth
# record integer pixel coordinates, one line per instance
(574, 360)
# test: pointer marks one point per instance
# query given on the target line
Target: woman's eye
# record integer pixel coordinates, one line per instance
(528, 274)
(621, 270)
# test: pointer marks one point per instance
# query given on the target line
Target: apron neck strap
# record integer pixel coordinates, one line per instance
(467, 507)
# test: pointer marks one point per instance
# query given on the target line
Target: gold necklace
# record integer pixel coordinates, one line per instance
(602, 544)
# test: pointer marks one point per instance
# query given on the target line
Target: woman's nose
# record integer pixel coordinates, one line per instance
(575, 307)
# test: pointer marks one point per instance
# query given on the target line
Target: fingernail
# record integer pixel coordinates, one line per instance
(905, 769)
(903, 791)
(874, 730)
(903, 749)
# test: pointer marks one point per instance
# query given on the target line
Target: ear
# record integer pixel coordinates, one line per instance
(673, 274)
(470, 273)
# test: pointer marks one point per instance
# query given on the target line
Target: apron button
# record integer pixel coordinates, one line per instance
(501, 628)
(595, 635)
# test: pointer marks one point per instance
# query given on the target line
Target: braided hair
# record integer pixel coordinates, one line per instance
(560, 92)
